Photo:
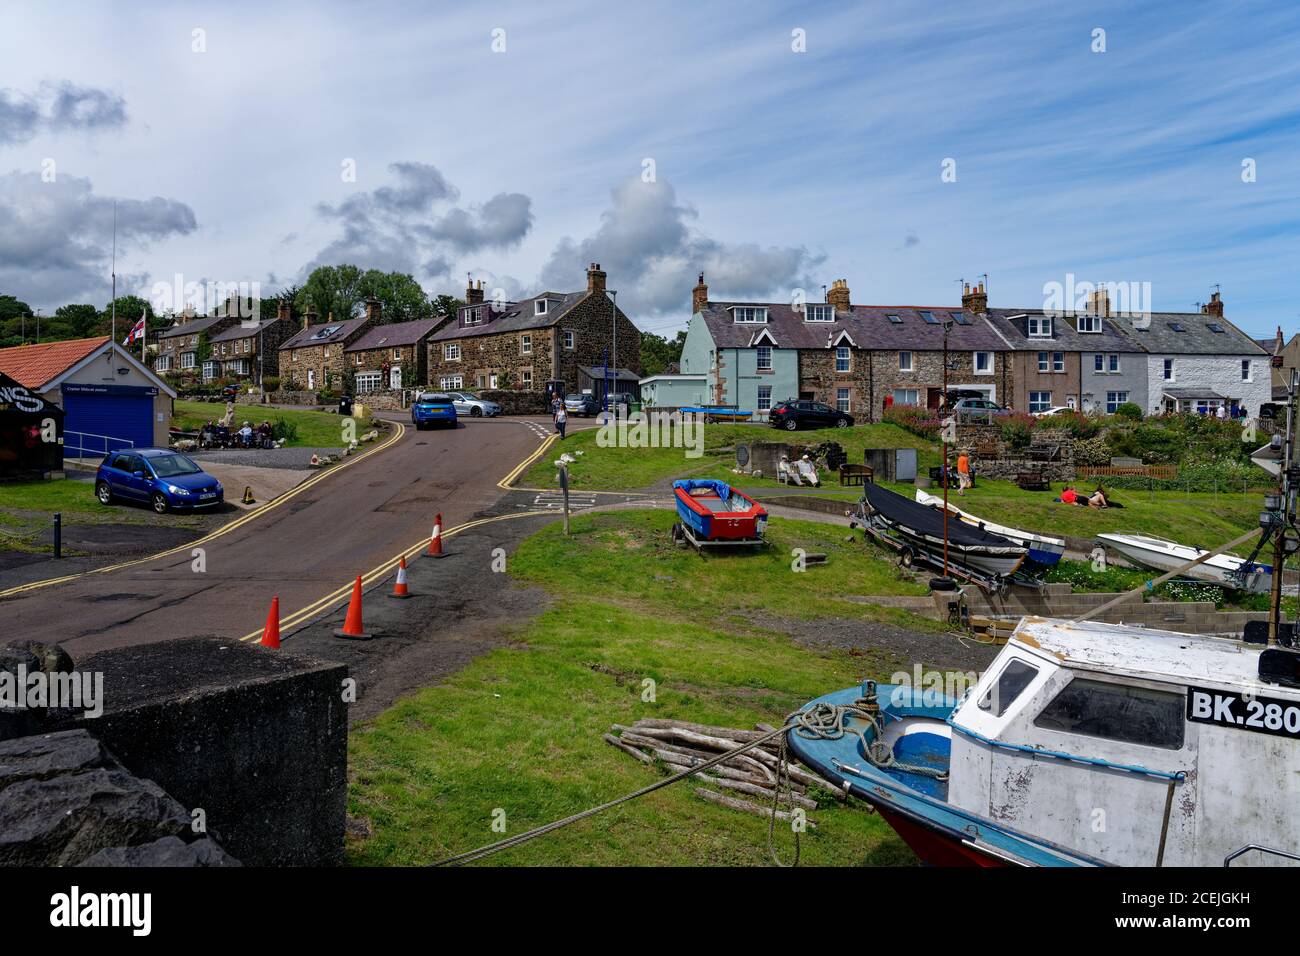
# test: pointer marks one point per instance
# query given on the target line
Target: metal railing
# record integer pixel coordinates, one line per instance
(100, 445)
(1227, 860)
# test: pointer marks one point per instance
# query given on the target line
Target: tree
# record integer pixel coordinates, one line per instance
(82, 320)
(445, 304)
(403, 299)
(331, 290)
(129, 310)
(657, 352)
(202, 350)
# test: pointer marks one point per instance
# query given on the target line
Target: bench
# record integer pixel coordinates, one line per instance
(1034, 480)
(856, 474)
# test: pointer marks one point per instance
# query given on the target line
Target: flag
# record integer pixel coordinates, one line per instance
(137, 332)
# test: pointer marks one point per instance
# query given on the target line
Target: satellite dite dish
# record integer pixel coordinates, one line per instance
(1270, 456)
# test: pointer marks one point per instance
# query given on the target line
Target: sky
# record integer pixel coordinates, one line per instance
(775, 147)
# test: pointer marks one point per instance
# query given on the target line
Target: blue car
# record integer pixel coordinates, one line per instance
(433, 408)
(164, 479)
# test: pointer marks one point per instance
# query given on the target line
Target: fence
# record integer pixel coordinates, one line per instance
(1115, 471)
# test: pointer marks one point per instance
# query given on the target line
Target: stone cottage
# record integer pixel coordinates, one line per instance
(392, 356)
(313, 358)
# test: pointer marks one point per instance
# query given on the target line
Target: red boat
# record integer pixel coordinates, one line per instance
(715, 514)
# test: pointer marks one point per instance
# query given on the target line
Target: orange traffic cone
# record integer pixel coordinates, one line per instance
(271, 633)
(435, 540)
(400, 589)
(352, 625)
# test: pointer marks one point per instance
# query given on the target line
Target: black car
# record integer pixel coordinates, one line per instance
(790, 415)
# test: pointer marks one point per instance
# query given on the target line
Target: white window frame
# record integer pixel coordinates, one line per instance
(911, 364)
(293, 355)
(371, 381)
(819, 312)
(163, 364)
(1089, 323)
(211, 369)
(764, 403)
(1114, 400)
(526, 376)
(449, 382)
(451, 352)
(492, 380)
(1037, 403)
(1044, 362)
(570, 340)
(187, 360)
(525, 344)
(749, 314)
(915, 402)
(473, 316)
(843, 358)
(844, 400)
(540, 306)
(975, 363)
(1247, 371)
(763, 358)
(1039, 326)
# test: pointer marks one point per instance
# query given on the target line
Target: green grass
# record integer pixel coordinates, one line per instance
(315, 429)
(57, 494)
(632, 469)
(520, 728)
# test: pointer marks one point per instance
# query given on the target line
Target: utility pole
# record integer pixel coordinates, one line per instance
(613, 303)
(947, 327)
(1287, 514)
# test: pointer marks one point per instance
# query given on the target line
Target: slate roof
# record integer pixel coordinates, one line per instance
(869, 326)
(237, 331)
(1196, 338)
(512, 317)
(394, 335)
(1065, 337)
(307, 336)
(33, 365)
(192, 327)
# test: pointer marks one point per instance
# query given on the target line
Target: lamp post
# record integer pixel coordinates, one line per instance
(947, 327)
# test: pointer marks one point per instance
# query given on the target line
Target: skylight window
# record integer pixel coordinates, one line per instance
(895, 318)
(327, 331)
(1177, 327)
(929, 318)
(1215, 327)
(961, 318)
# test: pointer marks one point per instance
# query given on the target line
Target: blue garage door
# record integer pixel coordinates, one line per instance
(98, 423)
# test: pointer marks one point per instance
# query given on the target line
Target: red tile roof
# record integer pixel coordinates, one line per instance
(34, 365)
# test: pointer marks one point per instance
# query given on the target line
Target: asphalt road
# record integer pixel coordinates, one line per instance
(313, 543)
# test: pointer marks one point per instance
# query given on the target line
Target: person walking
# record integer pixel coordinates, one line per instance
(561, 419)
(963, 473)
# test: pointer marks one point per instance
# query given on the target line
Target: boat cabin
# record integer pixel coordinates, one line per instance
(1112, 740)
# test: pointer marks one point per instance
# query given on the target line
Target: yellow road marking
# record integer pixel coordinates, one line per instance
(527, 463)
(224, 529)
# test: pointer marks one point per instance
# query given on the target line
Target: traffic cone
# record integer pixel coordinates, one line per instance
(352, 625)
(271, 633)
(399, 589)
(435, 540)
(248, 495)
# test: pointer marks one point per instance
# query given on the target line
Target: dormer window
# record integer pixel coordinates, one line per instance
(1089, 323)
(472, 316)
(540, 307)
(1040, 326)
(749, 313)
(820, 313)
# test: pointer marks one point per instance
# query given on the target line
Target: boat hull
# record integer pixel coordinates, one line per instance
(1160, 555)
(1042, 550)
(714, 511)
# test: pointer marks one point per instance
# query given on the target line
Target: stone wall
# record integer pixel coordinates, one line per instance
(514, 402)
(994, 457)
(817, 374)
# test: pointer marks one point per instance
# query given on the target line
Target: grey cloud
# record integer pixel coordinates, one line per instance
(55, 238)
(651, 252)
(397, 228)
(57, 107)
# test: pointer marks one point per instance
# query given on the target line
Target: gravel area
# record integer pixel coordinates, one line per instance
(295, 458)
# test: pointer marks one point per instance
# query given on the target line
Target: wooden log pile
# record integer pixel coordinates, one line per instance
(681, 745)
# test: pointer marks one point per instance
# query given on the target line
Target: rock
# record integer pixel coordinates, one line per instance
(168, 851)
(15, 722)
(54, 659)
(63, 819)
(43, 756)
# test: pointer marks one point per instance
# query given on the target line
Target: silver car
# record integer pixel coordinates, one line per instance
(467, 403)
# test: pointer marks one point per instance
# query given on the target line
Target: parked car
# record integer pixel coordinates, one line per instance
(433, 408)
(164, 479)
(584, 405)
(1054, 410)
(229, 392)
(977, 409)
(467, 403)
(791, 415)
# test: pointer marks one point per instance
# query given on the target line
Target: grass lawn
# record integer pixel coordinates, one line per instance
(58, 494)
(315, 429)
(520, 729)
(631, 469)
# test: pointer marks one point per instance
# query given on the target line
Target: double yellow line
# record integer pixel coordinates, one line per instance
(375, 575)
(224, 529)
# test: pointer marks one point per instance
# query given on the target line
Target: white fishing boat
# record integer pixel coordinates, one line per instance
(1083, 744)
(1042, 549)
(1160, 555)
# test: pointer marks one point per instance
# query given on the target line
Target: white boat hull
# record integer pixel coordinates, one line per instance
(1161, 555)
(1041, 548)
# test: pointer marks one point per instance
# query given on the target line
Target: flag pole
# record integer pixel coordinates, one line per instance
(113, 328)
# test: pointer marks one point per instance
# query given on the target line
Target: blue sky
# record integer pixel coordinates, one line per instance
(774, 169)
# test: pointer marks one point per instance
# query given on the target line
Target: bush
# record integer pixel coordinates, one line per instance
(1076, 423)
(271, 383)
(1223, 476)
(1018, 429)
(284, 430)
(1130, 410)
(922, 422)
(1092, 451)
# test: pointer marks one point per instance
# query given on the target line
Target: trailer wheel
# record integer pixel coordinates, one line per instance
(906, 557)
(678, 535)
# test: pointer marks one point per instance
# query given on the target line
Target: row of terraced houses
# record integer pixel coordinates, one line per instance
(751, 355)
(862, 359)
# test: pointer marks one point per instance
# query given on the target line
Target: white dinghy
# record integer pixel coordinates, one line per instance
(1223, 569)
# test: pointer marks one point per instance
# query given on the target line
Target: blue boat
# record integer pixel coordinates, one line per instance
(714, 513)
(719, 413)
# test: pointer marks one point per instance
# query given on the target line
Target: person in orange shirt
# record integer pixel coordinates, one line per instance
(963, 473)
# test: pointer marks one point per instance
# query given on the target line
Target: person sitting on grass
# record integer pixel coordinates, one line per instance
(1068, 496)
(1098, 499)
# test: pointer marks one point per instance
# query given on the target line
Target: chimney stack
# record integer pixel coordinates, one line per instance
(309, 317)
(374, 309)
(595, 278)
(1214, 306)
(838, 295)
(474, 292)
(283, 311)
(699, 296)
(1099, 302)
(975, 299)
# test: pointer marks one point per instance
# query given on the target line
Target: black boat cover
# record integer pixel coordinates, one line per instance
(928, 521)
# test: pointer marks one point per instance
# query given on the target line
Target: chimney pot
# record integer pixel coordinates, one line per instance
(595, 278)
(474, 292)
(974, 300)
(699, 296)
(838, 296)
